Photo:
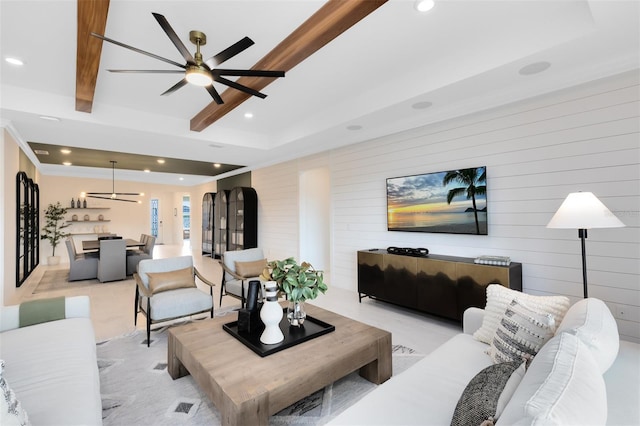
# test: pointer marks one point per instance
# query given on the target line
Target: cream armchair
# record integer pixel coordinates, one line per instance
(166, 289)
(240, 267)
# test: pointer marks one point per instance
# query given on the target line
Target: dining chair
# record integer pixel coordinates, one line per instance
(112, 265)
(166, 289)
(135, 256)
(82, 266)
(240, 267)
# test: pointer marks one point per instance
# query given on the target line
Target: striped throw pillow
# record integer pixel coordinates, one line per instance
(521, 333)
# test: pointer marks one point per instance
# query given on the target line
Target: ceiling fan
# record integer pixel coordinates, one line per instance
(196, 71)
(113, 195)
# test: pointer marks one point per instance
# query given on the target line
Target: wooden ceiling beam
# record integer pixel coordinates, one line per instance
(92, 17)
(331, 20)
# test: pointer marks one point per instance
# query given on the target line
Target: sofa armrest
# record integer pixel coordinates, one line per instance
(472, 320)
(74, 307)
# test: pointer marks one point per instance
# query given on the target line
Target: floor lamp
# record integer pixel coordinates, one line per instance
(582, 211)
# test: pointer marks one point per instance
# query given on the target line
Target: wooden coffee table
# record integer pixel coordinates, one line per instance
(247, 389)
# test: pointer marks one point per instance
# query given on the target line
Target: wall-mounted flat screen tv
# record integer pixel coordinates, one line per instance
(453, 202)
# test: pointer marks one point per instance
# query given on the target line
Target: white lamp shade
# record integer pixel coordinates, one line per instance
(583, 210)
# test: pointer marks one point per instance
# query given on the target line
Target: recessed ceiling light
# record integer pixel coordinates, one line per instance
(49, 118)
(66, 163)
(147, 171)
(217, 165)
(14, 61)
(354, 127)
(160, 161)
(181, 178)
(248, 115)
(421, 105)
(65, 151)
(424, 5)
(534, 68)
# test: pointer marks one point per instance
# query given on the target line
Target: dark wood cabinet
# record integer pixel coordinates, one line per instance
(207, 223)
(220, 220)
(439, 285)
(243, 219)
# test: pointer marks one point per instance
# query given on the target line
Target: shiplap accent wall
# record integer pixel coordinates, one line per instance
(586, 138)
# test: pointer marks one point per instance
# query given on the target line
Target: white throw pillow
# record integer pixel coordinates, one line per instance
(11, 412)
(498, 297)
(592, 322)
(562, 386)
(521, 333)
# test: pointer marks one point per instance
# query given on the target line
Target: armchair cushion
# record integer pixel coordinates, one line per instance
(230, 258)
(250, 269)
(177, 303)
(171, 280)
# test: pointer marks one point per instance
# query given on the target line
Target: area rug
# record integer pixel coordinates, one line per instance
(137, 389)
(59, 280)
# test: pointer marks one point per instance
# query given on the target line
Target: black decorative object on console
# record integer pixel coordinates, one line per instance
(408, 251)
(249, 317)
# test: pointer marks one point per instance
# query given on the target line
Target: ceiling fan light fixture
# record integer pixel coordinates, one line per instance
(198, 76)
(424, 5)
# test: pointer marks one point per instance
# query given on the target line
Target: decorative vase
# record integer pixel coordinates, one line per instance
(53, 260)
(84, 203)
(271, 314)
(296, 314)
(73, 204)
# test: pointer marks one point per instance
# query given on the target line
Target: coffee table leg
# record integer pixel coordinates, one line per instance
(379, 370)
(251, 412)
(174, 366)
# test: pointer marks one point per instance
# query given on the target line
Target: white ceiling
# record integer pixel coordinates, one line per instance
(462, 57)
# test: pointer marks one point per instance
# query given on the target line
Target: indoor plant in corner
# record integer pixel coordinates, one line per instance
(298, 282)
(53, 229)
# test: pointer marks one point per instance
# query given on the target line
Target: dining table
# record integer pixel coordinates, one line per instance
(93, 245)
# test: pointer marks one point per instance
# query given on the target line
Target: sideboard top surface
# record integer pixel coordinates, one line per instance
(442, 257)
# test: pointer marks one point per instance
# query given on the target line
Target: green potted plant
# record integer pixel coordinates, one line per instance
(299, 282)
(53, 229)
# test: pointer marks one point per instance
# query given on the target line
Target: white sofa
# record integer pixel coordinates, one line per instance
(567, 382)
(51, 366)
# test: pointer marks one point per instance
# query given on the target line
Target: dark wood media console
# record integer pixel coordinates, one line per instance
(439, 285)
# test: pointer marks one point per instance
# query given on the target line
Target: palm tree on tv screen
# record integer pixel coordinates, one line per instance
(470, 178)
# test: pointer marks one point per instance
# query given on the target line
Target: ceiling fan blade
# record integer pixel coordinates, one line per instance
(174, 38)
(114, 199)
(214, 94)
(229, 52)
(238, 86)
(135, 49)
(150, 71)
(175, 87)
(248, 73)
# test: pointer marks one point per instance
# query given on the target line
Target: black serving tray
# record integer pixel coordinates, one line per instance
(311, 329)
